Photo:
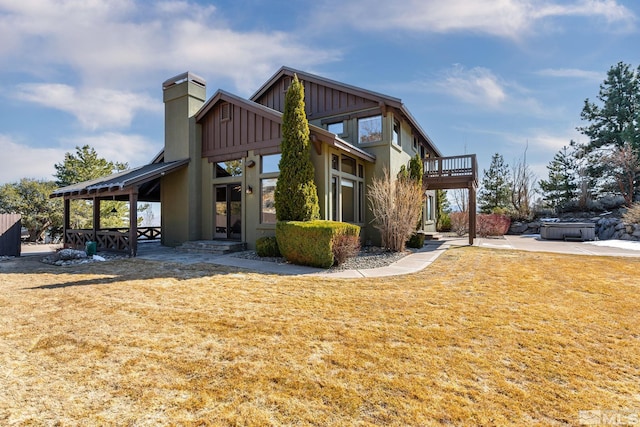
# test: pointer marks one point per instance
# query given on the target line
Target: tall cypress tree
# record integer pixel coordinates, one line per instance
(296, 195)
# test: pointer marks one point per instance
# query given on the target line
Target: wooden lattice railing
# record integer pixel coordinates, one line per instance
(111, 239)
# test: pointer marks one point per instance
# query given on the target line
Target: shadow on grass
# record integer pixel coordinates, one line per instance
(124, 270)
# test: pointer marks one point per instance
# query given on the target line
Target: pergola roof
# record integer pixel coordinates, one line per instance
(146, 178)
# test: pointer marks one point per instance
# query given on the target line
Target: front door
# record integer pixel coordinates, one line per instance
(228, 205)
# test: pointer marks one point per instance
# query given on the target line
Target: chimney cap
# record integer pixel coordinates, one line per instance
(180, 78)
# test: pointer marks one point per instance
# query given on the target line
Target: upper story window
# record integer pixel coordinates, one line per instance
(228, 168)
(337, 128)
(270, 163)
(396, 132)
(370, 129)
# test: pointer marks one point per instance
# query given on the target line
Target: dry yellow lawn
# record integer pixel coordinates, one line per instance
(481, 337)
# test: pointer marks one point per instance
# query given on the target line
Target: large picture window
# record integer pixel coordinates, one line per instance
(370, 129)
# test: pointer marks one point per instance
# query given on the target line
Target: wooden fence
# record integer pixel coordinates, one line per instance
(10, 231)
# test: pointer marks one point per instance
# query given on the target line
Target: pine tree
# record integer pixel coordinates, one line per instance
(561, 186)
(296, 195)
(612, 123)
(495, 192)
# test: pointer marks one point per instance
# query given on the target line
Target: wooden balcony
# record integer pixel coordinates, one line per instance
(446, 173)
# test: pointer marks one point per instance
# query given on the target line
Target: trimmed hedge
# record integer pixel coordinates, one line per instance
(267, 246)
(311, 242)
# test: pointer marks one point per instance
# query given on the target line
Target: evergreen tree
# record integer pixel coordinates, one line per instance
(612, 123)
(561, 186)
(30, 198)
(296, 195)
(495, 191)
(617, 120)
(85, 165)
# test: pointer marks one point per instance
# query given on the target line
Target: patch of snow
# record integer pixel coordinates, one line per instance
(99, 258)
(620, 244)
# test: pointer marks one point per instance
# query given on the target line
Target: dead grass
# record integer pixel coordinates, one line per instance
(481, 337)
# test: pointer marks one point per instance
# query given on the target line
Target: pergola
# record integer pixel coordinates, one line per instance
(140, 184)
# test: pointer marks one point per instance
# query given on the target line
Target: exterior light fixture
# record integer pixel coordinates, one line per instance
(251, 163)
(249, 189)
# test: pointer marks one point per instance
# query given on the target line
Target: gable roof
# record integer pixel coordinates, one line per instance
(384, 100)
(322, 135)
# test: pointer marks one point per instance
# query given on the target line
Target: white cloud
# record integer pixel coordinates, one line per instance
(136, 150)
(23, 161)
(502, 18)
(138, 44)
(477, 86)
(572, 73)
(94, 108)
(20, 160)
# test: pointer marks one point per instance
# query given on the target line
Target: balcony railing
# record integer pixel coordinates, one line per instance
(455, 170)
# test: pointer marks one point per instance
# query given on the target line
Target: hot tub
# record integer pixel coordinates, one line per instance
(574, 231)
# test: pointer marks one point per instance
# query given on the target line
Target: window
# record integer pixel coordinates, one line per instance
(268, 201)
(225, 112)
(430, 208)
(228, 168)
(348, 200)
(415, 143)
(337, 128)
(370, 129)
(396, 132)
(348, 165)
(270, 163)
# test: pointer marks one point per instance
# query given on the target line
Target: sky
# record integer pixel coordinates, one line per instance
(480, 76)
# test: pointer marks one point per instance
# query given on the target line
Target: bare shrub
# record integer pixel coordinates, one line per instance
(396, 205)
(492, 224)
(344, 246)
(460, 222)
(632, 215)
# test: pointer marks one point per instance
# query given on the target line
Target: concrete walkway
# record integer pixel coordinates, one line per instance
(410, 264)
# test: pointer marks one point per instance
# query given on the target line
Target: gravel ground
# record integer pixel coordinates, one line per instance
(372, 257)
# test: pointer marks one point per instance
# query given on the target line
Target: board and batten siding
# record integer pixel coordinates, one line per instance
(320, 100)
(241, 130)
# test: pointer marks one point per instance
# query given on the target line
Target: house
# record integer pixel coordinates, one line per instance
(217, 173)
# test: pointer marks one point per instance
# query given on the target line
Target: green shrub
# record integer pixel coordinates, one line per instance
(311, 242)
(416, 241)
(444, 222)
(267, 246)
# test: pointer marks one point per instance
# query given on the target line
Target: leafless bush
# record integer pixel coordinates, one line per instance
(632, 215)
(345, 246)
(460, 222)
(396, 206)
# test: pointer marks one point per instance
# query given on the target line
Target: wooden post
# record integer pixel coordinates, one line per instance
(67, 221)
(472, 213)
(133, 222)
(96, 220)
